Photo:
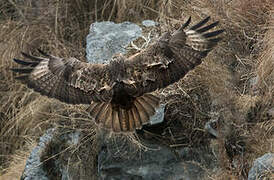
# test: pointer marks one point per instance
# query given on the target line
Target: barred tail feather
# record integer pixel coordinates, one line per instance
(119, 119)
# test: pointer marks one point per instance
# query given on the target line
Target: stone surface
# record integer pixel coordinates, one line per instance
(270, 112)
(107, 38)
(156, 162)
(262, 166)
(159, 115)
(57, 157)
(210, 127)
(33, 169)
(149, 23)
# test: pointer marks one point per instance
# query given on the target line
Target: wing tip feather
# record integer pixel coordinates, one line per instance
(43, 52)
(186, 23)
(201, 23)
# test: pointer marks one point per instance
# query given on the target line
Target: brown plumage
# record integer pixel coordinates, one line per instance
(120, 93)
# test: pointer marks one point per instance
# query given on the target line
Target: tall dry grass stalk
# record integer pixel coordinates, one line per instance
(263, 112)
(266, 60)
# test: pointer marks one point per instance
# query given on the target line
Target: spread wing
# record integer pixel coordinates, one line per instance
(68, 80)
(171, 57)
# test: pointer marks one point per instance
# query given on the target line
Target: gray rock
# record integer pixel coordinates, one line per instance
(253, 81)
(210, 129)
(270, 112)
(149, 23)
(159, 115)
(33, 169)
(156, 162)
(52, 160)
(262, 166)
(107, 38)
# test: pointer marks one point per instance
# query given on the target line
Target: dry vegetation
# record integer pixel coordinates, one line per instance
(222, 84)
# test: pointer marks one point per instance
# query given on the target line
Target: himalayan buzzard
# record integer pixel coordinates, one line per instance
(120, 93)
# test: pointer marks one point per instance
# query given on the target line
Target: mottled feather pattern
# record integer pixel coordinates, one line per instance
(43, 80)
(93, 80)
(120, 93)
(52, 77)
(169, 59)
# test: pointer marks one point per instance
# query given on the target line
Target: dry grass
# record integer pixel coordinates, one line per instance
(221, 84)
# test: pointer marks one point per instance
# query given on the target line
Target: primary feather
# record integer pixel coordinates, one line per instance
(120, 93)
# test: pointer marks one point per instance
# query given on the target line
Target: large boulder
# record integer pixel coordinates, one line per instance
(262, 167)
(107, 38)
(120, 159)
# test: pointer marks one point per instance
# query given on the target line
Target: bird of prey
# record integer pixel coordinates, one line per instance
(120, 93)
